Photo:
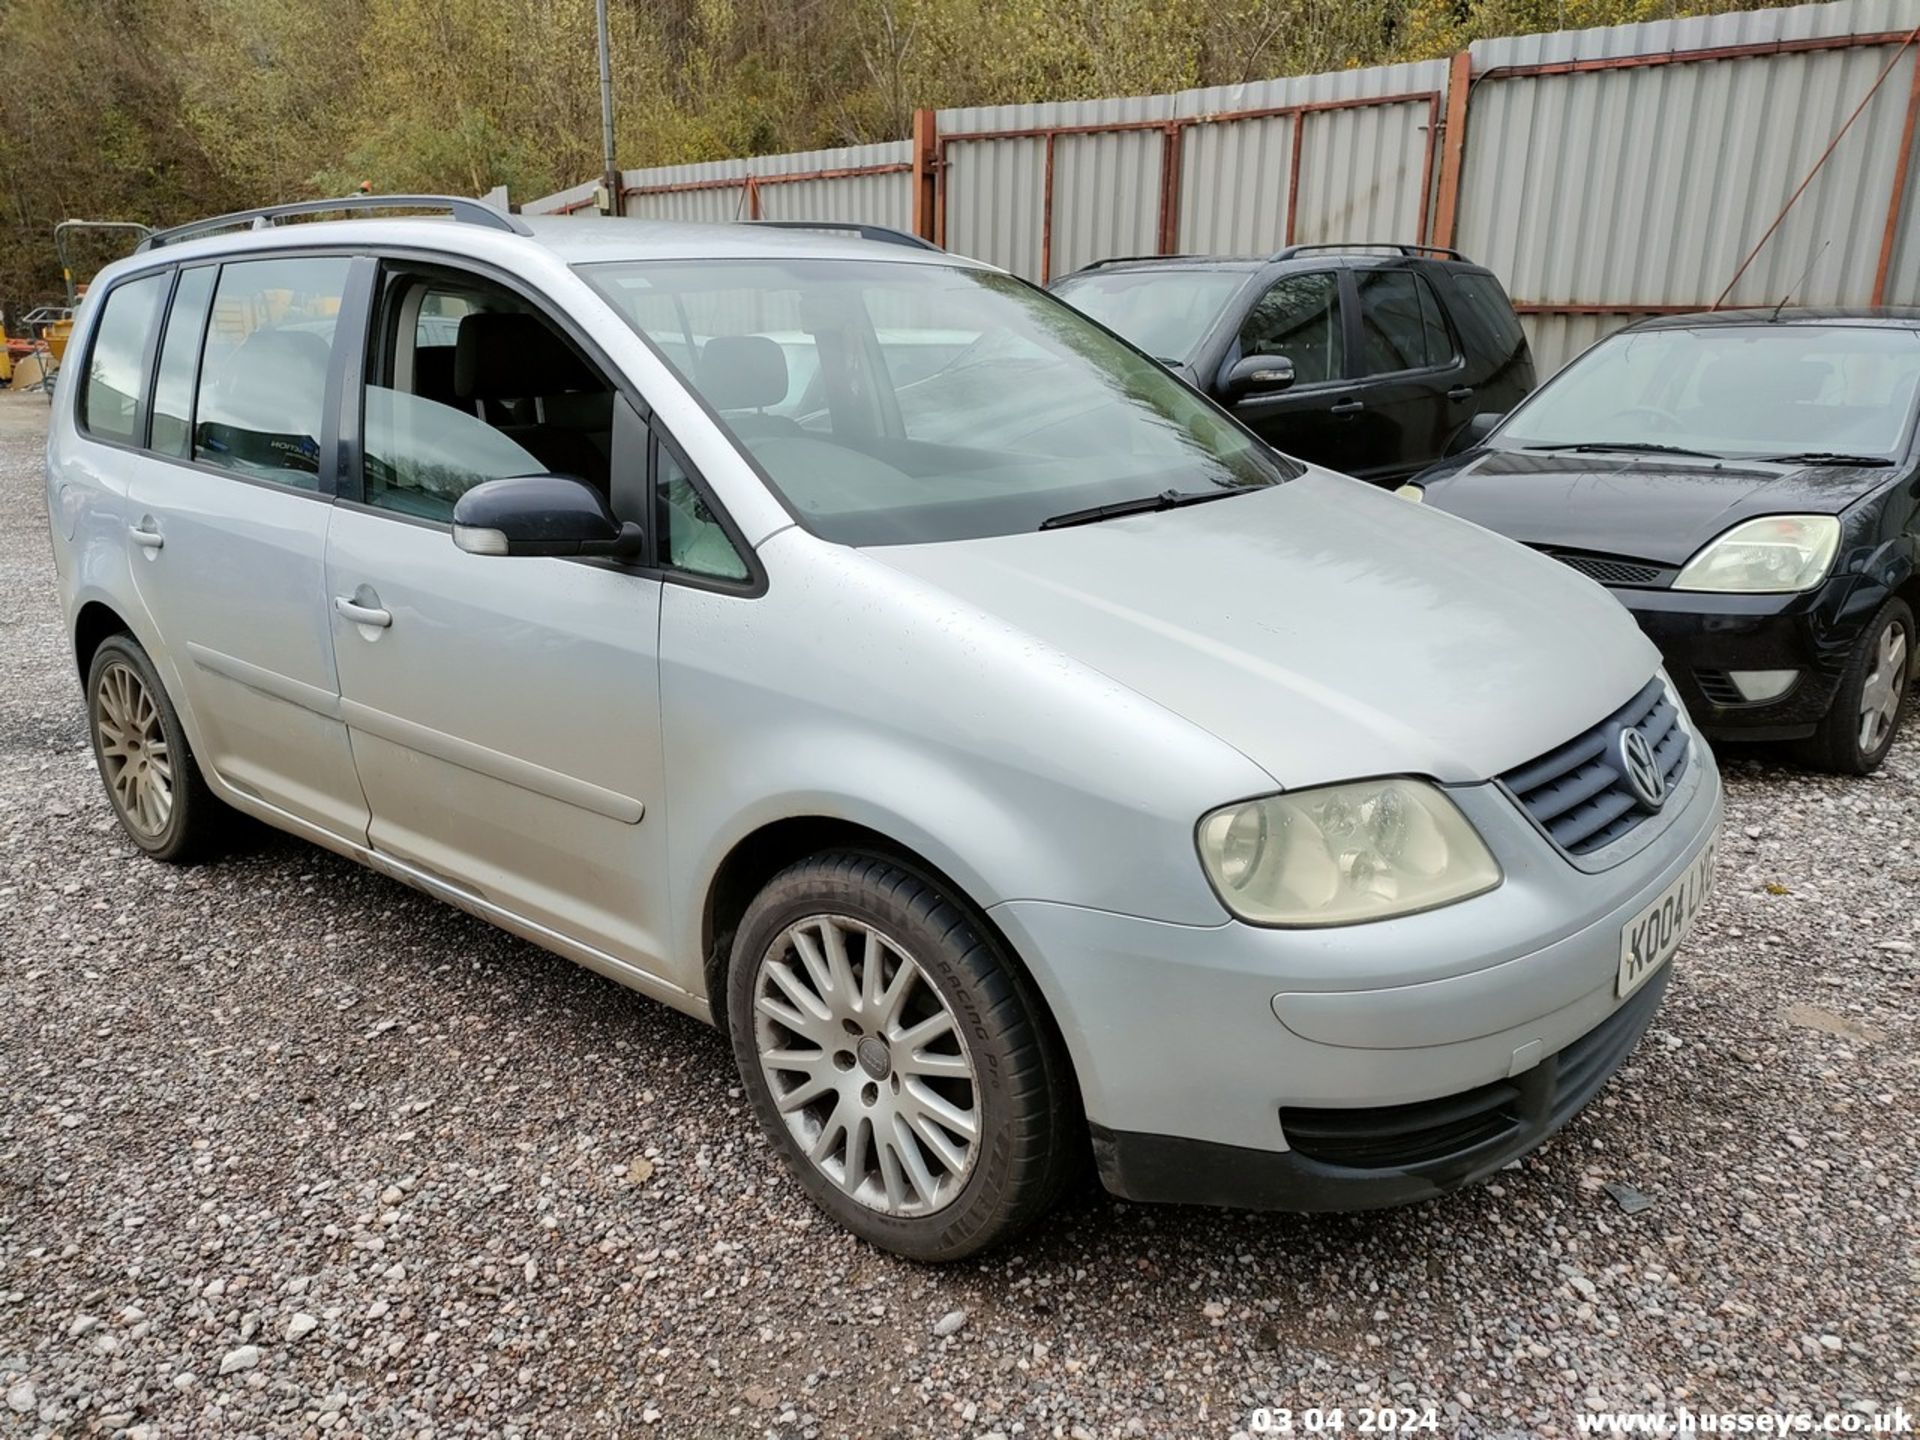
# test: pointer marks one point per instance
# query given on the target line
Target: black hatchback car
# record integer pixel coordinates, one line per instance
(1364, 358)
(1747, 483)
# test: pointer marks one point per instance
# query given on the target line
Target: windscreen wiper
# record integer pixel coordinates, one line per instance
(1146, 504)
(1823, 457)
(1646, 447)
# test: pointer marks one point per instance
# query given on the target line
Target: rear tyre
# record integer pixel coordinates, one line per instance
(1873, 698)
(152, 780)
(901, 1065)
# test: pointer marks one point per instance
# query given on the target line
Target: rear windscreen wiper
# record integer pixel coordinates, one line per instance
(1146, 504)
(1635, 446)
(1824, 457)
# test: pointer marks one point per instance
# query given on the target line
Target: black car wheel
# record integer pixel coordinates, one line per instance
(1860, 728)
(902, 1067)
(152, 779)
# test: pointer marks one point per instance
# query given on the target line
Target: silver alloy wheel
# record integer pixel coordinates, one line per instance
(133, 750)
(867, 1065)
(1885, 685)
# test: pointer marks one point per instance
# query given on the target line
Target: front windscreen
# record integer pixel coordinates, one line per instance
(1167, 313)
(898, 402)
(1733, 390)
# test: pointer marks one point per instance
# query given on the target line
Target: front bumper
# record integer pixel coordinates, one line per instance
(1404, 1152)
(1703, 636)
(1470, 1032)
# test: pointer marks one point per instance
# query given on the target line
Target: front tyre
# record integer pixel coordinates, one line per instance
(1859, 730)
(152, 781)
(898, 1062)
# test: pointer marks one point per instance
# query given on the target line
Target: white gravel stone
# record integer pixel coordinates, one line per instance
(244, 1357)
(948, 1323)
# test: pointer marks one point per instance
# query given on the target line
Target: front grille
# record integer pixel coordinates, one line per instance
(1484, 1123)
(1607, 570)
(1579, 793)
(1718, 687)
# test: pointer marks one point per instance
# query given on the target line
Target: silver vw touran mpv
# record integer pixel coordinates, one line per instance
(848, 644)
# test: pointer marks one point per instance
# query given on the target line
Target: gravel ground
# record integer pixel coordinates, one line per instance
(286, 1148)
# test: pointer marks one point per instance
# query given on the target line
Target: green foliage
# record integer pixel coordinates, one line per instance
(163, 110)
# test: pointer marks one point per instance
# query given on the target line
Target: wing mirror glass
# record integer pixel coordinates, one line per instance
(1256, 375)
(1473, 432)
(542, 515)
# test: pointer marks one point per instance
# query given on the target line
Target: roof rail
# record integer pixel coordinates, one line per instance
(459, 207)
(1132, 260)
(1400, 245)
(885, 234)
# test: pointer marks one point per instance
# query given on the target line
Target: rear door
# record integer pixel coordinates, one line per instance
(1302, 316)
(227, 513)
(504, 711)
(1413, 386)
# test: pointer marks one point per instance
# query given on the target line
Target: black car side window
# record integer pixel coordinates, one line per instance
(1299, 317)
(1401, 327)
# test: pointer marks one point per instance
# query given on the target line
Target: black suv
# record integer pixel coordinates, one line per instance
(1366, 358)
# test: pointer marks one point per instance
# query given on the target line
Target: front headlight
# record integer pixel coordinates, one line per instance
(1776, 554)
(1344, 853)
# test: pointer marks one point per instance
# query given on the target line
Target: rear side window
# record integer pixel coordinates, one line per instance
(1487, 302)
(263, 374)
(1299, 317)
(179, 353)
(1401, 327)
(112, 403)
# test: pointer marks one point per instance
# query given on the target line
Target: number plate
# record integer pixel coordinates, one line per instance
(1649, 939)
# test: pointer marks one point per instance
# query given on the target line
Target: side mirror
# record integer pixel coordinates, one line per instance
(542, 515)
(1473, 432)
(1256, 375)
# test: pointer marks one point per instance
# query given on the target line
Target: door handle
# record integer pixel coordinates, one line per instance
(1347, 407)
(146, 536)
(362, 614)
(1460, 392)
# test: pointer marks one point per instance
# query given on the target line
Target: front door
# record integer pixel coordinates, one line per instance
(228, 530)
(504, 712)
(1301, 317)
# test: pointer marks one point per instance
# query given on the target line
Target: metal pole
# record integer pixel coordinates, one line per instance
(610, 174)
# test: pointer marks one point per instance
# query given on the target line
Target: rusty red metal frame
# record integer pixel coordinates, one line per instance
(1452, 162)
(1903, 164)
(1168, 226)
(750, 186)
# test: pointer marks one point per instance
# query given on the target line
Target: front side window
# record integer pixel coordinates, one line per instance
(1299, 318)
(1401, 327)
(691, 537)
(111, 403)
(1167, 313)
(1733, 390)
(941, 402)
(466, 382)
(263, 373)
(179, 353)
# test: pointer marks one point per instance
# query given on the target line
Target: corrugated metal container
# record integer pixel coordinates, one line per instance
(1648, 185)
(1234, 182)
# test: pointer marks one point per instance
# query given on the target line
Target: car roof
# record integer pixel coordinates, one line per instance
(574, 240)
(1897, 317)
